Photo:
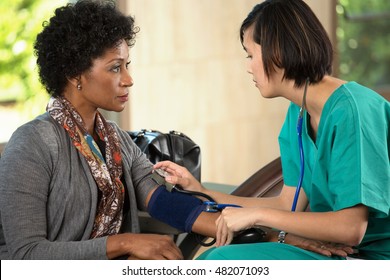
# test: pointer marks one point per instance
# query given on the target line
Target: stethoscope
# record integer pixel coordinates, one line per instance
(300, 146)
(210, 205)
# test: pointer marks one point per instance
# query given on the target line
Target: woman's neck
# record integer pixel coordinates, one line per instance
(89, 123)
(87, 113)
(316, 97)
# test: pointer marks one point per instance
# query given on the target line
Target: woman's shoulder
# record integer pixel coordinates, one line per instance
(42, 125)
(356, 108)
(360, 93)
(38, 133)
(355, 98)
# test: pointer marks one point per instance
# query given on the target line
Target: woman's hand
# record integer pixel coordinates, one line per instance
(233, 220)
(179, 175)
(143, 247)
(323, 248)
(154, 247)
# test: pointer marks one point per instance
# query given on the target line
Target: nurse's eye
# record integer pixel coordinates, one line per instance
(127, 64)
(249, 56)
(116, 69)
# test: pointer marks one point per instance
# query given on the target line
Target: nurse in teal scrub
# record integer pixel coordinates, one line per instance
(345, 142)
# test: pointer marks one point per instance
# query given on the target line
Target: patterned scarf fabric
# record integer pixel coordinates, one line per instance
(106, 172)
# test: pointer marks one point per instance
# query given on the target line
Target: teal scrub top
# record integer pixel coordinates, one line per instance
(348, 163)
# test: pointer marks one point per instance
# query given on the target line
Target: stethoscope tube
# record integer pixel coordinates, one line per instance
(300, 147)
(179, 189)
(210, 206)
(302, 164)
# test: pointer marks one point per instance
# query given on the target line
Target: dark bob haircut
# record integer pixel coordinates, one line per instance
(292, 38)
(75, 36)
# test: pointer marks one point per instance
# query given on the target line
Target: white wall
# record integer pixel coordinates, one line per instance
(190, 75)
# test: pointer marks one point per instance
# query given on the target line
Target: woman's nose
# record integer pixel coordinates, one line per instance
(248, 68)
(127, 80)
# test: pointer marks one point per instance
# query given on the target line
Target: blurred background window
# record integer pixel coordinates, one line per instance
(363, 35)
(360, 29)
(21, 94)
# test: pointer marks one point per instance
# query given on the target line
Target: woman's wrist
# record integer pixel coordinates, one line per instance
(117, 245)
(272, 235)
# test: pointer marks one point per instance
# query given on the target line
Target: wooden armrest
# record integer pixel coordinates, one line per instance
(266, 182)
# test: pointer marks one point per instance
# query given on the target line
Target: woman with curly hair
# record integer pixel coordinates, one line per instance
(71, 183)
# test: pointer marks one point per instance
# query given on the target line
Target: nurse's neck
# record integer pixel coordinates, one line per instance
(317, 95)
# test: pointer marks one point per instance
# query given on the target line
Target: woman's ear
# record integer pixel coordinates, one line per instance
(76, 82)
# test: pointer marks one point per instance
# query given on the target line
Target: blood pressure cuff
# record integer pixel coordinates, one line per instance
(174, 208)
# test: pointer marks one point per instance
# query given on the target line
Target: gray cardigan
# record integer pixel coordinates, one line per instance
(48, 196)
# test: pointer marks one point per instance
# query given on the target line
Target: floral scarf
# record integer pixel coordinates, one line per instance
(106, 171)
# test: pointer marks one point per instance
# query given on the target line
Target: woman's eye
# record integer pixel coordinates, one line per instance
(249, 56)
(116, 69)
(127, 65)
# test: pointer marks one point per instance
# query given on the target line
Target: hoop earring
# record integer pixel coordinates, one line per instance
(79, 86)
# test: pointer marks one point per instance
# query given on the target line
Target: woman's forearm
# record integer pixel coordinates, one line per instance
(346, 226)
(271, 202)
(205, 224)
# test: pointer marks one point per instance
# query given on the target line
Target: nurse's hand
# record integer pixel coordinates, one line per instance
(179, 175)
(231, 221)
(323, 248)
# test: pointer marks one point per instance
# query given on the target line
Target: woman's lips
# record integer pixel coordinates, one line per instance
(124, 98)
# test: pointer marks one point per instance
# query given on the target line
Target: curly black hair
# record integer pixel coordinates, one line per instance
(75, 36)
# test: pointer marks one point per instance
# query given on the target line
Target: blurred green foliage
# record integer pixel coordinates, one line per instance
(363, 35)
(21, 21)
(363, 46)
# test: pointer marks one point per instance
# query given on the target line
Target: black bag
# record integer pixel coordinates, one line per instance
(174, 146)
